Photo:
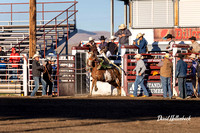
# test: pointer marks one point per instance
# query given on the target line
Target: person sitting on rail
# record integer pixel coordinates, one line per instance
(195, 47)
(171, 42)
(141, 43)
(112, 46)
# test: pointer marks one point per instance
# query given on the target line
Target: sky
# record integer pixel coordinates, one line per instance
(93, 15)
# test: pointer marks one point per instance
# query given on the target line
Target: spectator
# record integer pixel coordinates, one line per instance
(166, 67)
(140, 73)
(193, 73)
(171, 42)
(2, 69)
(181, 74)
(195, 47)
(123, 33)
(36, 71)
(54, 75)
(14, 60)
(47, 76)
(141, 43)
(198, 74)
(112, 47)
(2, 53)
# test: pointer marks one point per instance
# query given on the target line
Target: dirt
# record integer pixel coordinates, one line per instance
(97, 114)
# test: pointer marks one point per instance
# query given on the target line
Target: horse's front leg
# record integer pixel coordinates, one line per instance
(93, 84)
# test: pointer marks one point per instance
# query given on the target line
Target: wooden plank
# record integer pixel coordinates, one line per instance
(32, 27)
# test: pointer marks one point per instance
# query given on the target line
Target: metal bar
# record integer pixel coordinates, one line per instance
(11, 12)
(44, 42)
(38, 3)
(43, 13)
(112, 18)
(56, 33)
(58, 75)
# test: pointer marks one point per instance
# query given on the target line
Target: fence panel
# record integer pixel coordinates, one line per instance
(152, 74)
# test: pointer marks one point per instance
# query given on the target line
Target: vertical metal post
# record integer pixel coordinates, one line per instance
(175, 49)
(44, 41)
(176, 12)
(112, 18)
(130, 13)
(125, 13)
(66, 46)
(42, 13)
(56, 32)
(11, 8)
(25, 74)
(58, 75)
(75, 11)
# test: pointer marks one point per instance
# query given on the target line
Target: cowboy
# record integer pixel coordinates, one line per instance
(36, 71)
(181, 74)
(198, 74)
(171, 42)
(47, 75)
(112, 46)
(166, 67)
(193, 73)
(140, 73)
(92, 45)
(195, 47)
(141, 43)
(123, 33)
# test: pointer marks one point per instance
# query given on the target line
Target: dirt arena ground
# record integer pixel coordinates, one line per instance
(97, 114)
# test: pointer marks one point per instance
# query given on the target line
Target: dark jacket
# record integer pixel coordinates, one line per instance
(2, 53)
(142, 45)
(112, 47)
(47, 74)
(125, 39)
(36, 69)
(181, 69)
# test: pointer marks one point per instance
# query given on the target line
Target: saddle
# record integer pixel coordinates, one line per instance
(103, 65)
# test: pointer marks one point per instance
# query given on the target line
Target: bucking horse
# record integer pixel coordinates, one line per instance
(111, 75)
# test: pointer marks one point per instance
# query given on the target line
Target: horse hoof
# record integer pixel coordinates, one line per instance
(89, 95)
(96, 89)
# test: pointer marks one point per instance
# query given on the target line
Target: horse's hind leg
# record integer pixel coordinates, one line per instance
(118, 87)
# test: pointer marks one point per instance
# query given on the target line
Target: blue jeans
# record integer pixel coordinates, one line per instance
(37, 81)
(166, 85)
(139, 81)
(14, 72)
(182, 87)
(119, 48)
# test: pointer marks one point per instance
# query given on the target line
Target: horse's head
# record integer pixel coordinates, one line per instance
(91, 59)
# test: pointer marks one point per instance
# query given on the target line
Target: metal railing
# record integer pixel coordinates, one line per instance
(57, 22)
(13, 74)
(10, 9)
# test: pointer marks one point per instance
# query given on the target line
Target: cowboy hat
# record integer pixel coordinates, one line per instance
(167, 55)
(112, 38)
(122, 26)
(139, 35)
(49, 58)
(180, 56)
(36, 55)
(192, 56)
(102, 38)
(138, 56)
(169, 36)
(91, 39)
(192, 38)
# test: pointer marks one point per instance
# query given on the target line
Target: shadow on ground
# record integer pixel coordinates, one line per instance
(114, 109)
